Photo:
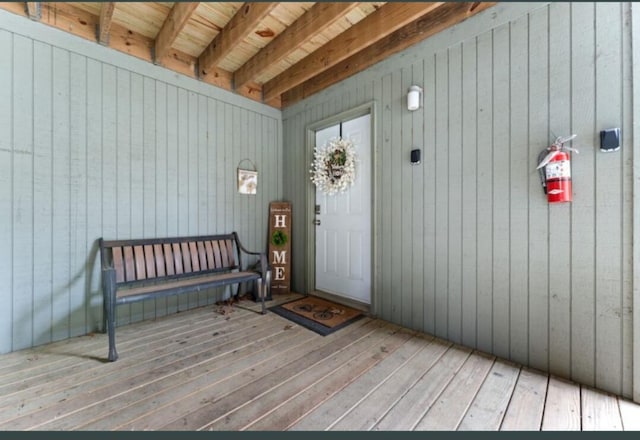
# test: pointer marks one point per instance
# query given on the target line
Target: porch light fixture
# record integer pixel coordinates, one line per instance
(414, 97)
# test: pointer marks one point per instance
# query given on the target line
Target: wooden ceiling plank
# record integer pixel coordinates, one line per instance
(104, 26)
(240, 25)
(426, 26)
(173, 25)
(34, 10)
(386, 20)
(313, 22)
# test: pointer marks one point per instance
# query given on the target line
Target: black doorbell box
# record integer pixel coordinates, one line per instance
(610, 140)
(415, 157)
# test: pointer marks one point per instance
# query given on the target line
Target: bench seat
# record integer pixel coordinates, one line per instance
(175, 287)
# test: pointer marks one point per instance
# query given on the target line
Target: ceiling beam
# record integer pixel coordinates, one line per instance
(374, 27)
(171, 28)
(311, 23)
(104, 26)
(239, 27)
(442, 18)
(33, 10)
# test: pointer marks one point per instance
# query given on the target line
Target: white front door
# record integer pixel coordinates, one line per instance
(343, 231)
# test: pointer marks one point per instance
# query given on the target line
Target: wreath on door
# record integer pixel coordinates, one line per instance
(333, 170)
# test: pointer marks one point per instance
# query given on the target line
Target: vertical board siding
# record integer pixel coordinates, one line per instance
(468, 247)
(90, 149)
(42, 220)
(417, 206)
(520, 174)
(77, 193)
(484, 179)
(560, 215)
(583, 289)
(22, 189)
(627, 212)
(539, 136)
(608, 201)
(6, 184)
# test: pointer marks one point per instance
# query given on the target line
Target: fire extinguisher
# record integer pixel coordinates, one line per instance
(554, 166)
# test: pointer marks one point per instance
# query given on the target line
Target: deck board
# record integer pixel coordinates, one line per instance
(203, 369)
(297, 381)
(527, 403)
(416, 402)
(368, 412)
(203, 376)
(330, 411)
(245, 391)
(562, 406)
(175, 373)
(600, 411)
(64, 383)
(630, 414)
(83, 395)
(452, 404)
(290, 411)
(490, 404)
(231, 387)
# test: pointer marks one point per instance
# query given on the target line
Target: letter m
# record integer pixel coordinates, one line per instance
(280, 257)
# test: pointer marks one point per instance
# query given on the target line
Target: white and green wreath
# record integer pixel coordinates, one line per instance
(333, 169)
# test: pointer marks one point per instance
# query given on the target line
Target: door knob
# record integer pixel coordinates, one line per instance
(316, 222)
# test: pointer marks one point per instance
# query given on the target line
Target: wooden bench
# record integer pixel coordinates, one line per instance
(137, 270)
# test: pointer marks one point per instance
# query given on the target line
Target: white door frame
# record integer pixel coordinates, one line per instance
(310, 140)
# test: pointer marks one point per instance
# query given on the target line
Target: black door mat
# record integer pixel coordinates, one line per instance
(319, 315)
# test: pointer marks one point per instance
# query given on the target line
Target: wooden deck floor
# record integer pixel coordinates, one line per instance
(201, 370)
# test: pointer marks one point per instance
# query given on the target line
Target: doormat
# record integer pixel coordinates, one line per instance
(322, 316)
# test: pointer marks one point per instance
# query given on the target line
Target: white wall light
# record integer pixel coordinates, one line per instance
(414, 98)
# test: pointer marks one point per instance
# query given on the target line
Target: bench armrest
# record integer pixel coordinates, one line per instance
(263, 256)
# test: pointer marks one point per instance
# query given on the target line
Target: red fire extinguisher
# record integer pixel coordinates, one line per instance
(554, 165)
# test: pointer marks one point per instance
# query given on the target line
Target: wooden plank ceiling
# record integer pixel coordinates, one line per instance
(276, 53)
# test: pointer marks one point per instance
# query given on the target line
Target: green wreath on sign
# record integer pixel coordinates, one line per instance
(279, 238)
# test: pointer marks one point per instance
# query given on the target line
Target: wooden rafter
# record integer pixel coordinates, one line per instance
(240, 25)
(376, 26)
(442, 18)
(104, 27)
(177, 18)
(34, 10)
(313, 22)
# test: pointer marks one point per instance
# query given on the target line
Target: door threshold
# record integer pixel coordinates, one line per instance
(363, 307)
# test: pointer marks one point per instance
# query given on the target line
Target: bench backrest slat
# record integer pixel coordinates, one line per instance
(230, 253)
(140, 260)
(186, 258)
(150, 261)
(159, 257)
(223, 253)
(193, 252)
(129, 266)
(168, 259)
(141, 273)
(216, 253)
(211, 264)
(202, 257)
(118, 264)
(177, 258)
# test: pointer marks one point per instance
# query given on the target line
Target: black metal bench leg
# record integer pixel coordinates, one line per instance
(110, 301)
(262, 292)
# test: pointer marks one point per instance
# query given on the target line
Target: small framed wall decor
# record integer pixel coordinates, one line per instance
(247, 178)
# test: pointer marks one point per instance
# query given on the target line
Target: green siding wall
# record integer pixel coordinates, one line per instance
(94, 143)
(468, 248)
